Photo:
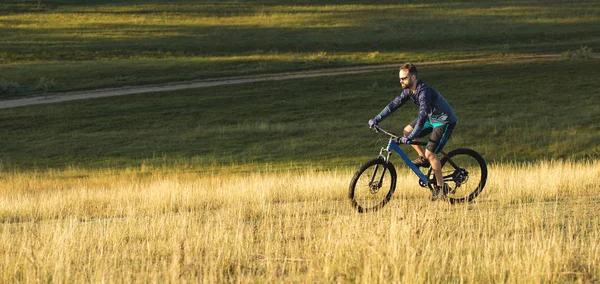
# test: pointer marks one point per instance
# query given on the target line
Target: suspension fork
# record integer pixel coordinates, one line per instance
(384, 153)
(386, 156)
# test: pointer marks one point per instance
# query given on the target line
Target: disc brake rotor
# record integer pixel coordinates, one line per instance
(374, 187)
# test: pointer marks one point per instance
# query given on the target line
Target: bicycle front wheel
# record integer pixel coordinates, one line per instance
(372, 185)
(465, 173)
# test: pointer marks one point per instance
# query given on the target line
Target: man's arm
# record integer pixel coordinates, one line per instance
(391, 107)
(425, 101)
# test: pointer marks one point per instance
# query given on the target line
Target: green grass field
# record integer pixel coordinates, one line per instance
(71, 45)
(508, 112)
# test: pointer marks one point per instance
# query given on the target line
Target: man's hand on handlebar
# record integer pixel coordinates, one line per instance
(372, 123)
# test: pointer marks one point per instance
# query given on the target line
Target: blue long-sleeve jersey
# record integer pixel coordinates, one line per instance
(433, 108)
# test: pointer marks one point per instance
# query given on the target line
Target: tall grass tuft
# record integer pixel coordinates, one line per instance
(45, 84)
(8, 88)
(583, 52)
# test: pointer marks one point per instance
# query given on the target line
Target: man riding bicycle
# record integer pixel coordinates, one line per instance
(436, 117)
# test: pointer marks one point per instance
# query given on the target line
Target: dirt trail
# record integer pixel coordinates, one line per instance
(101, 93)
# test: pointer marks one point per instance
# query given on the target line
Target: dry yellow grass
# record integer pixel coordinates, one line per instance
(532, 223)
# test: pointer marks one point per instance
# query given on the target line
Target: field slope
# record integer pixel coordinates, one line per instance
(248, 182)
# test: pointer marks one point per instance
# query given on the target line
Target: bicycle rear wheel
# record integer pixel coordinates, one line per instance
(465, 173)
(372, 185)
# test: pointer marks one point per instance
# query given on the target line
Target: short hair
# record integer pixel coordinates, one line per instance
(412, 69)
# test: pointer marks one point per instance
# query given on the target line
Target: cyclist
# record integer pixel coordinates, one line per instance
(436, 117)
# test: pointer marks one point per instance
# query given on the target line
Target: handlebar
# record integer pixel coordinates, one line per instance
(395, 137)
(377, 129)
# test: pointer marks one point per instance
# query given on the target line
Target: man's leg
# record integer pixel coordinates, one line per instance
(436, 166)
(437, 141)
(407, 130)
(421, 161)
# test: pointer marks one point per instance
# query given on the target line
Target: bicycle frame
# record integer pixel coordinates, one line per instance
(393, 146)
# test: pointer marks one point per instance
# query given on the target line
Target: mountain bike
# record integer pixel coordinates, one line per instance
(372, 186)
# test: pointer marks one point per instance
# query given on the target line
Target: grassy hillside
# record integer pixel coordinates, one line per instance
(248, 183)
(508, 112)
(67, 45)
